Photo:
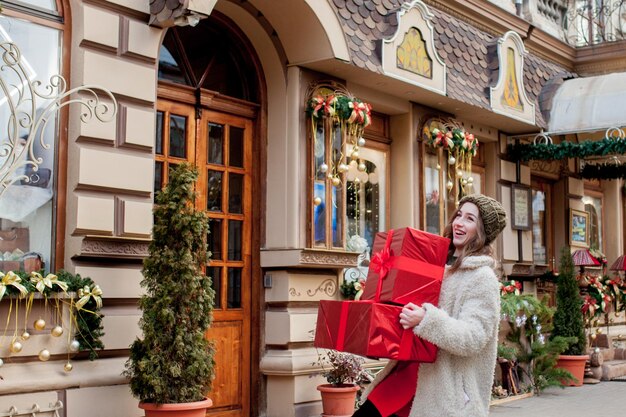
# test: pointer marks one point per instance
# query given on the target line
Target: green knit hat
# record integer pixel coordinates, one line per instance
(491, 212)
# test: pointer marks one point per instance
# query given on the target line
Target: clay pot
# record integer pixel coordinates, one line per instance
(338, 401)
(575, 364)
(194, 409)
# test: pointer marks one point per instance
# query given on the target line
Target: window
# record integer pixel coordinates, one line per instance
(348, 171)
(446, 179)
(541, 227)
(593, 206)
(28, 196)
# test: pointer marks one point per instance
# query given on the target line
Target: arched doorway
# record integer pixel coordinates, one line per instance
(208, 102)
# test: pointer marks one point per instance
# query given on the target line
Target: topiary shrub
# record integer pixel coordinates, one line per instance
(173, 362)
(568, 318)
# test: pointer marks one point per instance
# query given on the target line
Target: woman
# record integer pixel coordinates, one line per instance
(464, 327)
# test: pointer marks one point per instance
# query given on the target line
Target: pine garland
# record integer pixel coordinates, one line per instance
(606, 171)
(555, 152)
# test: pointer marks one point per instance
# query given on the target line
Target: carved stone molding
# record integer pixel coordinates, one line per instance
(522, 269)
(328, 258)
(308, 258)
(114, 247)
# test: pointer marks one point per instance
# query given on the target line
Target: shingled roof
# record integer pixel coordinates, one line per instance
(465, 49)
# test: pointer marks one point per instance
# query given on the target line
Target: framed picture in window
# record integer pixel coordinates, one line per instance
(579, 228)
(521, 213)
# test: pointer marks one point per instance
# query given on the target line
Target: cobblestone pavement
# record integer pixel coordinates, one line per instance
(606, 399)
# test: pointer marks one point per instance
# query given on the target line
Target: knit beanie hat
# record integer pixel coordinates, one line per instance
(491, 212)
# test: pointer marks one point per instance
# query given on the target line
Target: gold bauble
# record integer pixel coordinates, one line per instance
(16, 347)
(25, 335)
(449, 185)
(44, 355)
(336, 181)
(354, 155)
(342, 168)
(470, 180)
(317, 201)
(362, 167)
(459, 173)
(599, 331)
(56, 331)
(593, 337)
(68, 367)
(451, 160)
(74, 346)
(438, 166)
(39, 324)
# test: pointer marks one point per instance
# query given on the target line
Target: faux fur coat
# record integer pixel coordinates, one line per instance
(465, 328)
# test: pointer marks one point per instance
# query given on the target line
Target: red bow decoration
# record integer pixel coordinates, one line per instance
(381, 262)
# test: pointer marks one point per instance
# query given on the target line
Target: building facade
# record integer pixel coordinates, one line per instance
(244, 90)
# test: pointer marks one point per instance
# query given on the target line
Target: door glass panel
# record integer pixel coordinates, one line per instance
(319, 214)
(216, 144)
(234, 240)
(158, 146)
(337, 196)
(540, 246)
(215, 239)
(178, 127)
(158, 176)
(215, 273)
(235, 155)
(214, 191)
(235, 193)
(234, 288)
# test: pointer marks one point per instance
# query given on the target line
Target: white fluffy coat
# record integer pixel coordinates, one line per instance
(465, 328)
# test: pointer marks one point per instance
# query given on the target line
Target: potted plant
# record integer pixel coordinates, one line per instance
(171, 367)
(568, 320)
(343, 372)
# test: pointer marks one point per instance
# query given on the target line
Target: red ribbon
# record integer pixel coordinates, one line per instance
(343, 326)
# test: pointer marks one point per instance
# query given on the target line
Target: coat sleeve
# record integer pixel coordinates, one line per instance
(478, 317)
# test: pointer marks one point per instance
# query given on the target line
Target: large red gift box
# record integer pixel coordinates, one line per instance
(407, 266)
(369, 329)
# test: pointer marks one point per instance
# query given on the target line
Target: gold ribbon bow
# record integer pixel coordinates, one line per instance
(11, 279)
(85, 293)
(41, 283)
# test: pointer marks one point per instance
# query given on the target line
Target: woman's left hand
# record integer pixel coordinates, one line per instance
(411, 315)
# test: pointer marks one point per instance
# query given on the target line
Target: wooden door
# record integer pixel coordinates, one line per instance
(220, 145)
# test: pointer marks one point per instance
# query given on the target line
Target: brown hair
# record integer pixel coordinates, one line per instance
(476, 246)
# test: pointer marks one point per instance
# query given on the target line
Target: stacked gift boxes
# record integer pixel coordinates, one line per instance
(407, 266)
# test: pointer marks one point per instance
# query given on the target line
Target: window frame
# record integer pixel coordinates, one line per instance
(592, 189)
(536, 184)
(59, 195)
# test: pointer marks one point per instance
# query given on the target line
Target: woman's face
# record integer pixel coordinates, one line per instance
(465, 226)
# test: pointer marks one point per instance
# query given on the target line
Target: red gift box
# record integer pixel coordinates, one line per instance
(407, 266)
(369, 329)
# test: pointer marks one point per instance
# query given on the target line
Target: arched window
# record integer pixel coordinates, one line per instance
(28, 197)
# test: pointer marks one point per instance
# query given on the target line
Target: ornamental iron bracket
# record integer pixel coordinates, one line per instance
(32, 104)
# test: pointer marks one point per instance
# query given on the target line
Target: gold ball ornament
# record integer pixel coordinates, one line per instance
(451, 160)
(68, 367)
(593, 337)
(56, 331)
(354, 155)
(25, 335)
(342, 168)
(361, 142)
(459, 173)
(449, 185)
(16, 347)
(323, 168)
(599, 331)
(39, 324)
(317, 201)
(74, 346)
(336, 181)
(362, 167)
(44, 355)
(464, 181)
(438, 166)
(470, 180)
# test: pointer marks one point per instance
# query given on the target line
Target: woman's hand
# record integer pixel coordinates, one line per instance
(411, 315)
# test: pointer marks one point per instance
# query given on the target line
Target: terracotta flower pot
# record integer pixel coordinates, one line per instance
(575, 364)
(194, 409)
(338, 401)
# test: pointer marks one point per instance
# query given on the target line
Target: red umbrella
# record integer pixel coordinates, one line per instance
(619, 264)
(582, 257)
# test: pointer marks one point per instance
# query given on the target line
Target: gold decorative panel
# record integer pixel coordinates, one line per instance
(412, 55)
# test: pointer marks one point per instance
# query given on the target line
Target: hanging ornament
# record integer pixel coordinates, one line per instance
(470, 180)
(16, 347)
(342, 168)
(56, 331)
(39, 324)
(353, 163)
(323, 168)
(354, 154)
(438, 166)
(357, 180)
(25, 335)
(451, 160)
(464, 181)
(74, 346)
(449, 185)
(44, 355)
(317, 201)
(459, 173)
(361, 142)
(68, 367)
(336, 181)
(362, 167)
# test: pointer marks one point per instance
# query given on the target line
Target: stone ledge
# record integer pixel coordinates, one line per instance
(308, 258)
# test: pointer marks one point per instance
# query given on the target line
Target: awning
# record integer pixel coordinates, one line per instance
(589, 103)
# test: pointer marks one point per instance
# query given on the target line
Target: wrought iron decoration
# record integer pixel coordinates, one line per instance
(26, 124)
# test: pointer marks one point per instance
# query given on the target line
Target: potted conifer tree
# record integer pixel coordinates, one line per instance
(568, 320)
(171, 367)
